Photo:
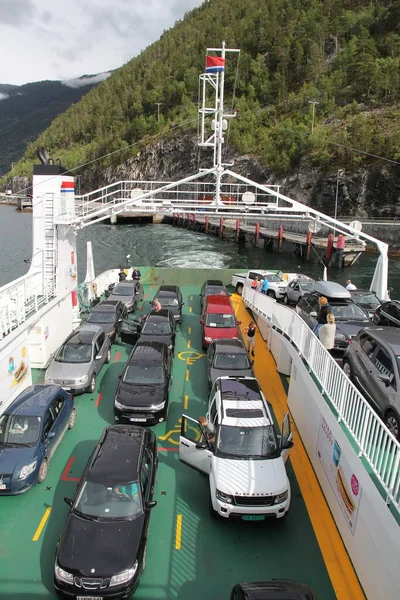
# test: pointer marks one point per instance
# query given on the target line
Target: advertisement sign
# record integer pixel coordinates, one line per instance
(343, 481)
(14, 370)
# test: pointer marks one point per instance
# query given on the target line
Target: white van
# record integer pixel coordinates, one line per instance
(241, 451)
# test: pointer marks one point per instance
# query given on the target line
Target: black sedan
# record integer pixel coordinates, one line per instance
(388, 314)
(101, 552)
(170, 298)
(143, 391)
(155, 327)
(109, 315)
(212, 287)
(272, 590)
(368, 301)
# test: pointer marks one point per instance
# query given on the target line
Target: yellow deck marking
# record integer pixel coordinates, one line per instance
(185, 402)
(343, 577)
(188, 343)
(178, 532)
(42, 524)
(187, 375)
(190, 356)
(190, 309)
(189, 330)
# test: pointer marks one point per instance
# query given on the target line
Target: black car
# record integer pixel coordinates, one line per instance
(388, 313)
(101, 552)
(272, 590)
(212, 287)
(227, 357)
(170, 297)
(155, 327)
(109, 315)
(368, 301)
(143, 391)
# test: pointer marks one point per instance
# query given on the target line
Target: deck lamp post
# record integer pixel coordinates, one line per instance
(338, 175)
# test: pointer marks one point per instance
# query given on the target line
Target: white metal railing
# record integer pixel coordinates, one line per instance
(23, 297)
(373, 439)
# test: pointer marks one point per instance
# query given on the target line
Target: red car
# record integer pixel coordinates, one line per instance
(218, 320)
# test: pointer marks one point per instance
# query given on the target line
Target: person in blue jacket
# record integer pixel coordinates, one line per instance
(265, 286)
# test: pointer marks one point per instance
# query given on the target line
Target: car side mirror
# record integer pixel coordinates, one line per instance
(287, 445)
(386, 379)
(238, 322)
(201, 321)
(151, 504)
(252, 362)
(182, 304)
(313, 314)
(98, 357)
(51, 435)
(201, 445)
(68, 501)
(119, 375)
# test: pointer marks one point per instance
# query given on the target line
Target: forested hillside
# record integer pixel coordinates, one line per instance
(343, 54)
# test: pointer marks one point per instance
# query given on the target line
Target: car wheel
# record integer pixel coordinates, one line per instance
(347, 370)
(72, 418)
(271, 294)
(43, 470)
(92, 385)
(239, 289)
(108, 358)
(285, 300)
(392, 422)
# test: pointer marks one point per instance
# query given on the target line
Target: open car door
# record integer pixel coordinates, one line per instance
(286, 438)
(194, 449)
(130, 330)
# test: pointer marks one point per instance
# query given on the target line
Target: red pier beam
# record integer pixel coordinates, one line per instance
(280, 238)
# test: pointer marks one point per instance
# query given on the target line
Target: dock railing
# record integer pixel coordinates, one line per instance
(375, 443)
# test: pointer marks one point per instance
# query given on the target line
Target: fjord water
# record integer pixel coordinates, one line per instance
(167, 246)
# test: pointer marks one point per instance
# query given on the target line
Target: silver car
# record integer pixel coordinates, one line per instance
(297, 288)
(372, 362)
(128, 292)
(77, 362)
(227, 357)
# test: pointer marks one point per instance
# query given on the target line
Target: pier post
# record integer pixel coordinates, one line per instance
(237, 229)
(257, 235)
(329, 248)
(280, 238)
(221, 227)
(206, 224)
(308, 243)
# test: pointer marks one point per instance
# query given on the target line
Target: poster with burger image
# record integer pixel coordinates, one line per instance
(343, 481)
(14, 369)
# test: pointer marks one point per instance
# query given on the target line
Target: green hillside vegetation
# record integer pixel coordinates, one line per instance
(344, 54)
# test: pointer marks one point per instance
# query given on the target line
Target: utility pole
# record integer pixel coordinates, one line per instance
(313, 102)
(158, 104)
(338, 175)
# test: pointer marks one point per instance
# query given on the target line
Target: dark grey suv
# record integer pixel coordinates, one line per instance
(372, 362)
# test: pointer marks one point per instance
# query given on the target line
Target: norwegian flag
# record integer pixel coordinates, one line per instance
(214, 64)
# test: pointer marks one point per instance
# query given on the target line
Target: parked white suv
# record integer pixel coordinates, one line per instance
(241, 451)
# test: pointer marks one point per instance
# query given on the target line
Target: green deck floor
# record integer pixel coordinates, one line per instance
(213, 555)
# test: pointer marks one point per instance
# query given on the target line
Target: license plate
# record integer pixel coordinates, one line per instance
(253, 517)
(3, 486)
(138, 419)
(89, 597)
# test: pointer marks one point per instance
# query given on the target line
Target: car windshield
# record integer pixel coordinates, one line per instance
(103, 502)
(231, 361)
(74, 353)
(306, 287)
(215, 291)
(223, 321)
(273, 278)
(156, 328)
(101, 317)
(247, 442)
(19, 430)
(367, 299)
(144, 374)
(123, 290)
(168, 301)
(343, 312)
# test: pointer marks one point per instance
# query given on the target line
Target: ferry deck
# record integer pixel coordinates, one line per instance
(190, 555)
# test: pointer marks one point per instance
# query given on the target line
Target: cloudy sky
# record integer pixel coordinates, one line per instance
(63, 39)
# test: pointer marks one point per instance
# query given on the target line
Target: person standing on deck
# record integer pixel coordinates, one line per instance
(350, 286)
(340, 244)
(254, 284)
(326, 333)
(156, 305)
(136, 274)
(324, 310)
(265, 286)
(250, 331)
(121, 274)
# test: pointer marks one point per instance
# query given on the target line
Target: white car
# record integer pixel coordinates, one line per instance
(277, 283)
(241, 451)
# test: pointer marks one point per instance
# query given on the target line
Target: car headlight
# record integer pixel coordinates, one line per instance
(208, 339)
(281, 497)
(125, 576)
(111, 333)
(119, 405)
(341, 336)
(27, 470)
(63, 575)
(224, 497)
(82, 379)
(157, 406)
